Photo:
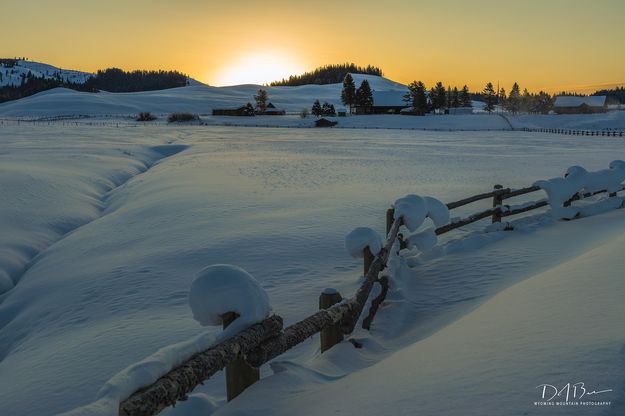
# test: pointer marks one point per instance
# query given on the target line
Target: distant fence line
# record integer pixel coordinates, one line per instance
(242, 355)
(67, 121)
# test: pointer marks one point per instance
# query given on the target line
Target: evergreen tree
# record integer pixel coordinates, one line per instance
(465, 97)
(327, 109)
(348, 95)
(316, 109)
(438, 96)
(261, 101)
(249, 109)
(489, 97)
(364, 97)
(514, 99)
(526, 101)
(417, 98)
(502, 98)
(543, 103)
(455, 98)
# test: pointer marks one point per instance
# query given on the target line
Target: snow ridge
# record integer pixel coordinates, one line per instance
(161, 152)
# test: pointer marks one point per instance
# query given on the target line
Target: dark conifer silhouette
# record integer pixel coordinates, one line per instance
(329, 74)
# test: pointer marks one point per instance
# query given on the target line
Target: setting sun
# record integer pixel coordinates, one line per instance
(258, 68)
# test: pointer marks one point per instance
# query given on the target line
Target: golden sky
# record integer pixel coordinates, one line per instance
(542, 44)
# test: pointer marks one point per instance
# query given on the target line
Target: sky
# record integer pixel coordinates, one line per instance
(552, 45)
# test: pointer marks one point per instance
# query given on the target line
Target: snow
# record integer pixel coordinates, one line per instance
(412, 209)
(224, 288)
(389, 98)
(437, 211)
(573, 101)
(415, 209)
(559, 190)
(424, 241)
(13, 76)
(360, 238)
(578, 180)
(144, 372)
(111, 226)
(489, 361)
(195, 98)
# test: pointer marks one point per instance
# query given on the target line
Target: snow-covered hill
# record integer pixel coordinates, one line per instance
(198, 98)
(13, 75)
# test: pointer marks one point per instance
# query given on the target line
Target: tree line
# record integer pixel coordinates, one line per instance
(328, 74)
(111, 80)
(615, 96)
(118, 80)
(440, 98)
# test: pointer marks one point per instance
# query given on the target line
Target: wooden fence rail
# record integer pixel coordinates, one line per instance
(337, 317)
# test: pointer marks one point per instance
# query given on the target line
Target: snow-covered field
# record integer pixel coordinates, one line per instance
(103, 230)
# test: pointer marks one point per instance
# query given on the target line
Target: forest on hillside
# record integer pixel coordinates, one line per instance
(328, 74)
(111, 80)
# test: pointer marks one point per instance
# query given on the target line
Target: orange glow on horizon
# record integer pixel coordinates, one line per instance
(555, 45)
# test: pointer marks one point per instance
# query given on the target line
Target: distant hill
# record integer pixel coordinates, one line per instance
(20, 78)
(329, 74)
(13, 71)
(195, 98)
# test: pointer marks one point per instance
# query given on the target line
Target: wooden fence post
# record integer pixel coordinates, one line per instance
(330, 335)
(239, 374)
(390, 213)
(368, 258)
(497, 201)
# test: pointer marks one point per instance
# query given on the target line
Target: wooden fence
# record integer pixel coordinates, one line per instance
(244, 353)
(575, 132)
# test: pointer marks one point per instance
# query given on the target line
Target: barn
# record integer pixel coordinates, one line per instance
(386, 102)
(272, 110)
(568, 104)
(244, 110)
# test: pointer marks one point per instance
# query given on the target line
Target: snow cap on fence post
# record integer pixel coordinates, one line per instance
(360, 238)
(220, 289)
(412, 209)
(227, 295)
(364, 242)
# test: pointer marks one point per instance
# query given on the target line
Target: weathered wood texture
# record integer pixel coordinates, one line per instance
(522, 191)
(505, 193)
(239, 374)
(471, 199)
(375, 303)
(470, 219)
(331, 334)
(516, 211)
(176, 384)
(368, 258)
(497, 201)
(390, 213)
